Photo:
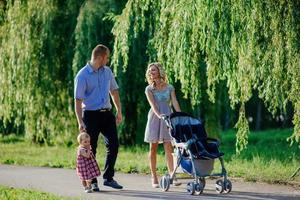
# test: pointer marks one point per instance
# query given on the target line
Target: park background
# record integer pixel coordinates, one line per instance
(235, 64)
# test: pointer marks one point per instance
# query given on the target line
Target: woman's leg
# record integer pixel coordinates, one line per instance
(168, 154)
(169, 159)
(152, 161)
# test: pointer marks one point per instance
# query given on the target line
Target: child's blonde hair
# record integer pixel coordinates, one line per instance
(161, 71)
(82, 136)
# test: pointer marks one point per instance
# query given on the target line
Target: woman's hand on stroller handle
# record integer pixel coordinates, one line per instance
(166, 118)
(163, 116)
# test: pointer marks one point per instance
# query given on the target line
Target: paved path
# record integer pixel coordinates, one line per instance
(64, 182)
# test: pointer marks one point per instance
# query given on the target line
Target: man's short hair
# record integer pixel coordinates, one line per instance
(99, 50)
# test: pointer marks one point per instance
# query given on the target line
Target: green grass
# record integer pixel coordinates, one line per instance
(268, 157)
(130, 160)
(7, 193)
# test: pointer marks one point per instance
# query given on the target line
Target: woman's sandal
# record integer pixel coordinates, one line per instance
(154, 183)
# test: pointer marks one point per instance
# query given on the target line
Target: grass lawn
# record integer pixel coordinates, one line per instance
(7, 193)
(268, 157)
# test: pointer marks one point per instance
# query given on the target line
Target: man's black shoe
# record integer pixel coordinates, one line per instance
(113, 184)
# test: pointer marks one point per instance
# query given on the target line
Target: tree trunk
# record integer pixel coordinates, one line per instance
(258, 116)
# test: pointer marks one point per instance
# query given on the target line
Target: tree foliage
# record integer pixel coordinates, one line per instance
(25, 71)
(212, 50)
(248, 45)
(91, 30)
(39, 41)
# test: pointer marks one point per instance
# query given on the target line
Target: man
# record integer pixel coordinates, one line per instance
(93, 84)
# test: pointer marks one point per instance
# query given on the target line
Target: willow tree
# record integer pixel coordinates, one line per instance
(34, 54)
(91, 29)
(43, 45)
(247, 45)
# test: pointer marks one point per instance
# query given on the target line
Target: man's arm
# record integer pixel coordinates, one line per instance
(79, 95)
(78, 111)
(116, 100)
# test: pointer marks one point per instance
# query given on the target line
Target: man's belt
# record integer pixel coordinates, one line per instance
(103, 110)
(99, 110)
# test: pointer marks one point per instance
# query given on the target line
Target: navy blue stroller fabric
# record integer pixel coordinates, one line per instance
(186, 128)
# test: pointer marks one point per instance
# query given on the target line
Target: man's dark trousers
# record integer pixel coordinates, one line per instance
(103, 121)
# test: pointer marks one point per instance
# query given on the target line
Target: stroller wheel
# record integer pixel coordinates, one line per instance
(190, 188)
(199, 188)
(227, 186)
(219, 186)
(164, 183)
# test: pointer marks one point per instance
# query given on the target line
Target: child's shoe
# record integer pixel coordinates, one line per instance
(88, 189)
(95, 187)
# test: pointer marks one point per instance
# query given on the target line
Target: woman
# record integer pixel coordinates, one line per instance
(159, 95)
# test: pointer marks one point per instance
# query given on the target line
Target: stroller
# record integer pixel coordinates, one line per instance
(195, 154)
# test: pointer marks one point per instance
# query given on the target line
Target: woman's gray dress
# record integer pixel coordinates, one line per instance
(156, 129)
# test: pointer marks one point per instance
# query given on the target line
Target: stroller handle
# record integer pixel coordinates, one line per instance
(166, 119)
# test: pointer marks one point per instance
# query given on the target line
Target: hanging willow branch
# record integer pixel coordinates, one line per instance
(33, 83)
(43, 45)
(248, 44)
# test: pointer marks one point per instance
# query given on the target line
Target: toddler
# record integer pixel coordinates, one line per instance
(87, 167)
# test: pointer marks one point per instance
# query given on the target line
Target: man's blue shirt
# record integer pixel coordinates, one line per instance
(93, 87)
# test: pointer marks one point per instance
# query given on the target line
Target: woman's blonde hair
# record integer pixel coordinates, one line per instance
(161, 71)
(82, 136)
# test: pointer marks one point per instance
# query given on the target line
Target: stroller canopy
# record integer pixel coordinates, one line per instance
(184, 126)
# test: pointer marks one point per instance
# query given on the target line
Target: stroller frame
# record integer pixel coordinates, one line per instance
(198, 184)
